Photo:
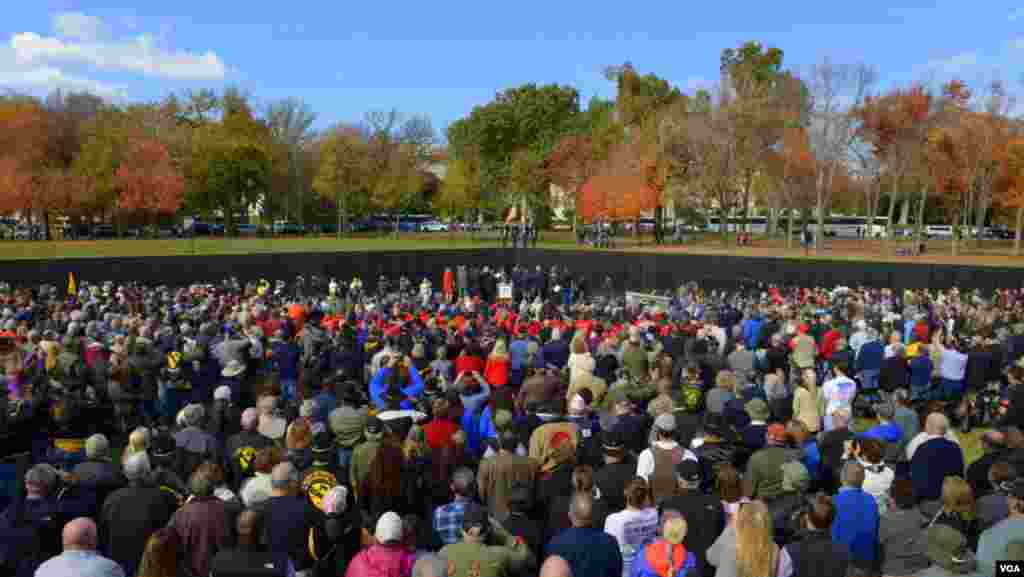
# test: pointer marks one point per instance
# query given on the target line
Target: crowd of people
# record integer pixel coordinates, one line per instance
(321, 428)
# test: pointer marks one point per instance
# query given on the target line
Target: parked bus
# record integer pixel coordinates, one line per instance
(835, 226)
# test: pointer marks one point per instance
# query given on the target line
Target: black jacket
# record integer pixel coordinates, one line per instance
(129, 516)
(705, 518)
(815, 554)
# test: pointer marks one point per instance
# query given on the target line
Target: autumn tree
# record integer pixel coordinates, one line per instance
(460, 191)
(147, 179)
(24, 141)
(1010, 189)
(344, 171)
(894, 126)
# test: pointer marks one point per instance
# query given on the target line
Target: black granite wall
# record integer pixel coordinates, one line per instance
(629, 270)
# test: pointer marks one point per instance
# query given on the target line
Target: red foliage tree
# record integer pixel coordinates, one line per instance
(147, 179)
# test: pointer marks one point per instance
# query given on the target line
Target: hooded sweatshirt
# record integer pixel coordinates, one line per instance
(381, 561)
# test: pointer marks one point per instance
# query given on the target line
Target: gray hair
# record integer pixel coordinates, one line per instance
(462, 481)
(97, 447)
(430, 565)
(853, 474)
(137, 467)
(283, 476)
(193, 415)
(42, 475)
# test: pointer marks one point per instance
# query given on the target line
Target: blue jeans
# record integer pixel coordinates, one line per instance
(869, 379)
(288, 389)
(951, 390)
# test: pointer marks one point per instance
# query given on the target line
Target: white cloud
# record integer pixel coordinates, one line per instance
(140, 55)
(79, 26)
(15, 75)
(1016, 15)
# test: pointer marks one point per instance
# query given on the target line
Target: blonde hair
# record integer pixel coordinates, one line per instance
(136, 444)
(755, 550)
(957, 496)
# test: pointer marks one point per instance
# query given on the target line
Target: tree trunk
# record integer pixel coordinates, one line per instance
(888, 225)
(789, 230)
(920, 217)
(723, 227)
(904, 210)
(979, 220)
(1016, 237)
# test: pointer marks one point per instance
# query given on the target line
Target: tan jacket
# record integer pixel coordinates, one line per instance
(805, 409)
(499, 474)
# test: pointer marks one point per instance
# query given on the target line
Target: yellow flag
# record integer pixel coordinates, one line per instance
(72, 285)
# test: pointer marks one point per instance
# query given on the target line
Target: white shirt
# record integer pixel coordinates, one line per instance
(877, 484)
(633, 530)
(645, 462)
(838, 394)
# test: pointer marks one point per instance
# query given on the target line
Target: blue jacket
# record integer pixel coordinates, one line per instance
(871, 355)
(888, 432)
(751, 332)
(286, 356)
(856, 524)
(556, 353)
(519, 353)
(378, 388)
(920, 372)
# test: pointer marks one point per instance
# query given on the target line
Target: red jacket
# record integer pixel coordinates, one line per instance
(439, 433)
(496, 371)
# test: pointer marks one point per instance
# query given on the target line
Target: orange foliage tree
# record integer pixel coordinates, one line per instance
(1010, 187)
(23, 147)
(893, 125)
(147, 179)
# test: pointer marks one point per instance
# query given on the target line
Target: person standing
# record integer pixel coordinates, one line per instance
(80, 557)
(856, 521)
(589, 552)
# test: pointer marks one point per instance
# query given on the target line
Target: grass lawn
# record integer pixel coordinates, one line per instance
(990, 253)
(28, 250)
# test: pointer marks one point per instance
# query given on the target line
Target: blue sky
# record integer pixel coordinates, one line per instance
(442, 58)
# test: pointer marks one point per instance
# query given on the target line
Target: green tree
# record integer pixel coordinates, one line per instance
(343, 172)
(529, 117)
(290, 122)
